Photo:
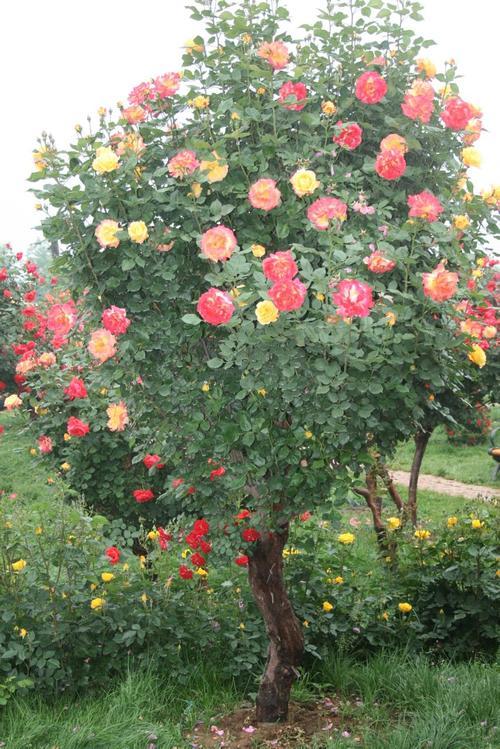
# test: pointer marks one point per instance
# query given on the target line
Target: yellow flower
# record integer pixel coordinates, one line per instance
(196, 190)
(242, 626)
(33, 451)
(461, 222)
(497, 573)
(476, 523)
(478, 273)
(11, 402)
(304, 182)
(67, 437)
(319, 296)
(106, 160)
(328, 108)
(391, 318)
(199, 102)
(452, 521)
(105, 233)
(491, 196)
(246, 38)
(446, 91)
(23, 632)
(262, 392)
(405, 608)
(393, 523)
(261, 91)
(101, 111)
(338, 580)
(216, 170)
(477, 356)
(305, 623)
(97, 603)
(308, 435)
(385, 616)
(191, 46)
(117, 417)
(144, 598)
(424, 65)
(258, 250)
(185, 553)
(142, 561)
(65, 466)
(103, 391)
(38, 158)
(327, 606)
(205, 387)
(201, 572)
(235, 116)
(471, 156)
(153, 535)
(50, 480)
(422, 534)
(266, 312)
(8, 524)
(138, 231)
(346, 538)
(19, 565)
(38, 530)
(106, 577)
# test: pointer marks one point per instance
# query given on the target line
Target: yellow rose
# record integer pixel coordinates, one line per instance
(201, 572)
(23, 632)
(391, 318)
(452, 521)
(205, 387)
(33, 451)
(106, 232)
(262, 392)
(308, 435)
(346, 538)
(405, 608)
(106, 577)
(138, 231)
(19, 565)
(215, 169)
(235, 116)
(246, 38)
(67, 437)
(38, 530)
(477, 356)
(144, 598)
(199, 102)
(328, 108)
(471, 156)
(385, 616)
(196, 190)
(11, 402)
(476, 524)
(266, 312)
(424, 65)
(97, 603)
(304, 182)
(461, 222)
(261, 91)
(65, 466)
(393, 523)
(422, 534)
(101, 111)
(258, 250)
(327, 606)
(106, 160)
(338, 580)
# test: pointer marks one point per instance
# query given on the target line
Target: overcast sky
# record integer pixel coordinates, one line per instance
(61, 60)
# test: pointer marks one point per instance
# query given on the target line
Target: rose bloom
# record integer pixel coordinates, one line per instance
(141, 93)
(77, 428)
(258, 250)
(215, 170)
(117, 417)
(324, 210)
(250, 535)
(167, 84)
(264, 194)
(346, 538)
(102, 345)
(266, 312)
(461, 222)
(439, 285)
(288, 295)
(353, 298)
(182, 164)
(138, 231)
(113, 554)
(115, 320)
(350, 135)
(167, 246)
(456, 113)
(473, 129)
(131, 142)
(61, 317)
(185, 572)
(218, 243)
(280, 266)
(134, 114)
(47, 359)
(106, 160)
(418, 102)
(377, 263)
(215, 307)
(275, 53)
(242, 560)
(424, 205)
(304, 182)
(390, 164)
(424, 65)
(293, 96)
(471, 156)
(143, 495)
(106, 232)
(394, 142)
(370, 87)
(45, 444)
(217, 472)
(152, 460)
(76, 389)
(477, 356)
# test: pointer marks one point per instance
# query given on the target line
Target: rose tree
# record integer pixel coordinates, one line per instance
(284, 227)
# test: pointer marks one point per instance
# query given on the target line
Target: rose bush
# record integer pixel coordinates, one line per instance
(271, 410)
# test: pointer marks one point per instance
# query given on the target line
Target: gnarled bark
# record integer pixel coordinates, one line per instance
(421, 441)
(286, 640)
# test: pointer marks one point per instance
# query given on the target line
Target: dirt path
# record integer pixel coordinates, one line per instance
(447, 486)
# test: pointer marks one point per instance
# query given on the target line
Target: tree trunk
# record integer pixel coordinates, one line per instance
(286, 640)
(421, 441)
(374, 502)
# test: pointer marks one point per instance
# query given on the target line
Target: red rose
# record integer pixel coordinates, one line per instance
(164, 538)
(3, 385)
(193, 540)
(292, 94)
(242, 560)
(152, 460)
(197, 560)
(115, 320)
(215, 306)
(76, 389)
(288, 295)
(205, 546)
(349, 137)
(280, 266)
(243, 514)
(77, 428)
(217, 472)
(457, 113)
(113, 554)
(177, 482)
(370, 87)
(3, 274)
(30, 296)
(185, 573)
(201, 527)
(7, 293)
(305, 516)
(45, 444)
(2, 429)
(143, 495)
(191, 490)
(390, 164)
(250, 534)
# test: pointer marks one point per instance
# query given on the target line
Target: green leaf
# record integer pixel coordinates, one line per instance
(191, 319)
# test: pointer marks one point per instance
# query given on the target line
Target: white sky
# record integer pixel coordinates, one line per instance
(60, 60)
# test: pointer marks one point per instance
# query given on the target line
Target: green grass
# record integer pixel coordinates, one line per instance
(390, 702)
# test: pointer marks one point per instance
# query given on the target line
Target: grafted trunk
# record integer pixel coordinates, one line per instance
(286, 640)
(421, 441)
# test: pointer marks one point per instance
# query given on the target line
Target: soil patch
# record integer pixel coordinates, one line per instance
(448, 486)
(238, 730)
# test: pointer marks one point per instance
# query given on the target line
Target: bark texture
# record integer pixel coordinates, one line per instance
(286, 640)
(421, 440)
